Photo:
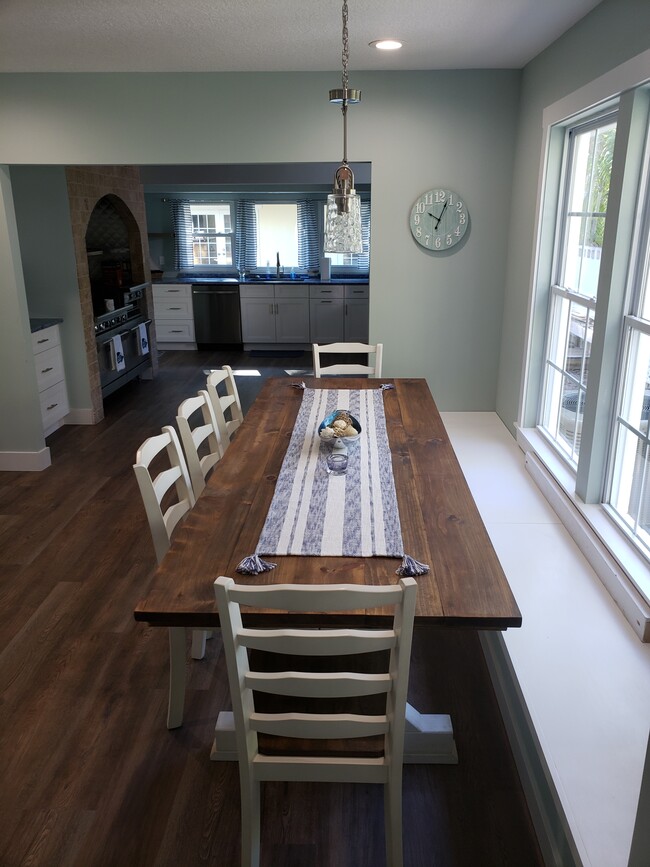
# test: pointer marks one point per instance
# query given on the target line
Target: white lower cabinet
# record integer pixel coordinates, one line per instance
(50, 376)
(274, 314)
(339, 312)
(173, 315)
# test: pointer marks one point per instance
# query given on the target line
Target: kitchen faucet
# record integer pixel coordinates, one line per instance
(277, 264)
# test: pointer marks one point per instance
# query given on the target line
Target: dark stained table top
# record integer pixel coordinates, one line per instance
(441, 526)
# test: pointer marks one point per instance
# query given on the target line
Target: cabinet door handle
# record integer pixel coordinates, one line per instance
(47, 369)
(175, 330)
(175, 308)
(346, 308)
(44, 340)
(277, 309)
(271, 309)
(327, 302)
(51, 406)
(171, 291)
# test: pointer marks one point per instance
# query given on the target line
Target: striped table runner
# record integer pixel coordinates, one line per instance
(314, 513)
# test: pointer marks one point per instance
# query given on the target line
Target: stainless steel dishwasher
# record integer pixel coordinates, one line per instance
(217, 319)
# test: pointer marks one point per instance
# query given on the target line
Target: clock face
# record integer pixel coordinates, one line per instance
(439, 220)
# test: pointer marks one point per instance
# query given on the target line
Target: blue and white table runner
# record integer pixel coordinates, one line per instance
(314, 513)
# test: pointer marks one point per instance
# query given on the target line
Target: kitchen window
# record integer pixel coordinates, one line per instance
(277, 234)
(212, 234)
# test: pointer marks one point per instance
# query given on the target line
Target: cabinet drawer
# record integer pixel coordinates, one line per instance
(360, 291)
(326, 291)
(173, 308)
(54, 404)
(255, 291)
(49, 367)
(282, 291)
(168, 331)
(168, 291)
(46, 338)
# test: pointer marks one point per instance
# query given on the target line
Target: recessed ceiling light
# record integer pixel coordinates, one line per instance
(386, 44)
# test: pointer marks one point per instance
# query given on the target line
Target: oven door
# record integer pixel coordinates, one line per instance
(125, 358)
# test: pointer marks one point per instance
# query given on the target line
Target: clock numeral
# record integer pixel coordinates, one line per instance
(448, 241)
(440, 195)
(462, 218)
(416, 219)
(427, 239)
(418, 232)
(420, 207)
(457, 231)
(459, 206)
(438, 243)
(428, 199)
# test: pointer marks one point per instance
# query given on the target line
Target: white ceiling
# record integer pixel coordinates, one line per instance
(276, 35)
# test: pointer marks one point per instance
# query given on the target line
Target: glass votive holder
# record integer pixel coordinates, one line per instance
(337, 463)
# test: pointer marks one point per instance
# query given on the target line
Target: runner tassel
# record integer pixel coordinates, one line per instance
(254, 566)
(411, 568)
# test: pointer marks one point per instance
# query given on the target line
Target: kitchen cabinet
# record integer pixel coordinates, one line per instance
(276, 313)
(173, 315)
(339, 312)
(50, 376)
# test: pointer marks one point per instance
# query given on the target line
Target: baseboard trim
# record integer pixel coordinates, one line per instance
(551, 825)
(25, 462)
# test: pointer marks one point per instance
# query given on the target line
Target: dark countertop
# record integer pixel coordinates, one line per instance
(209, 281)
(40, 324)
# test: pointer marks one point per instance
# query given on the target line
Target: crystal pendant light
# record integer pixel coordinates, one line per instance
(343, 217)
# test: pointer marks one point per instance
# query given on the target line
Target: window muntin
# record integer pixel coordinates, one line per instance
(212, 234)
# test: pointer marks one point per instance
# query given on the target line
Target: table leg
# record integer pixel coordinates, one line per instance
(428, 739)
(177, 663)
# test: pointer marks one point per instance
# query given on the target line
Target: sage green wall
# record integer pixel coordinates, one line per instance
(21, 428)
(614, 32)
(49, 267)
(438, 316)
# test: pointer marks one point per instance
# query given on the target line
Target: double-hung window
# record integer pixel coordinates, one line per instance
(212, 234)
(586, 400)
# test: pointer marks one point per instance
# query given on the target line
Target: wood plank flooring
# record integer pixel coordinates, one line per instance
(91, 776)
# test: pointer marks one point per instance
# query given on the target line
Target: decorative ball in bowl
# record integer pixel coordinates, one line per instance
(339, 425)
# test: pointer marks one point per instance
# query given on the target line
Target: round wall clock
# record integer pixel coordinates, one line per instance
(439, 219)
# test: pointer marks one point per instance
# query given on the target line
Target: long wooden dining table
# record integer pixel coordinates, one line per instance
(441, 526)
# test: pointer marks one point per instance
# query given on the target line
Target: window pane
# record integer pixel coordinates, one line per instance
(630, 493)
(584, 226)
(277, 233)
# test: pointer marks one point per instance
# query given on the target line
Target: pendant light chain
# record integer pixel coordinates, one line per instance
(346, 46)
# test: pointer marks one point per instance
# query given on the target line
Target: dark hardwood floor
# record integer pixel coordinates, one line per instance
(92, 776)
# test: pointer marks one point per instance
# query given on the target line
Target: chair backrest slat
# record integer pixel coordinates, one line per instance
(351, 367)
(320, 726)
(314, 597)
(317, 642)
(317, 684)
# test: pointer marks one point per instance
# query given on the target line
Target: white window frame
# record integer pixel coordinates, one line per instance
(230, 234)
(621, 565)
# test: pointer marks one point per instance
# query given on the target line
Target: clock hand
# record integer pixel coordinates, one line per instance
(441, 213)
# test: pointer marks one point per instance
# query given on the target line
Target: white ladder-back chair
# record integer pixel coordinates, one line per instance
(171, 472)
(227, 407)
(201, 438)
(254, 766)
(347, 349)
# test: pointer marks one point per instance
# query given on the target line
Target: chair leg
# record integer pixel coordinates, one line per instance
(177, 652)
(198, 643)
(393, 820)
(250, 821)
